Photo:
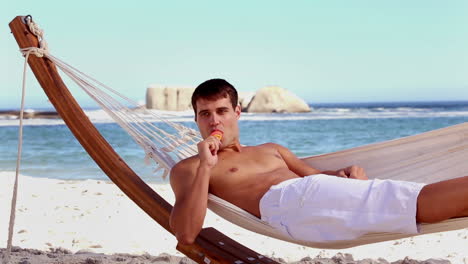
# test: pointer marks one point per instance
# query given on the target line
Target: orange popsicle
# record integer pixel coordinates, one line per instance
(217, 134)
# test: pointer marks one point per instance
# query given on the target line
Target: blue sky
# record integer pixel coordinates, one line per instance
(323, 51)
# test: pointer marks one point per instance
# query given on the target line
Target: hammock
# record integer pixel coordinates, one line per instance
(428, 157)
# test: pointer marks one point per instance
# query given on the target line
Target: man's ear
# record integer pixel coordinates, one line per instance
(238, 111)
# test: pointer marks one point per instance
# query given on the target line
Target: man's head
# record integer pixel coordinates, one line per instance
(215, 105)
(212, 90)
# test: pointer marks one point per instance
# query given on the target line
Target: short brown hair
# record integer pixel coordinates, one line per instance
(212, 90)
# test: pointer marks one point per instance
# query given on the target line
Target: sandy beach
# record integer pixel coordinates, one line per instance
(94, 217)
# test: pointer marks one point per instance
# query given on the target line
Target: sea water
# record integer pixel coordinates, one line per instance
(51, 151)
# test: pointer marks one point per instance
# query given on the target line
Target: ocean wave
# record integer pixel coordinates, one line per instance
(318, 113)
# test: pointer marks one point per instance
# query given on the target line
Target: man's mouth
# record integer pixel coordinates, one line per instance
(217, 133)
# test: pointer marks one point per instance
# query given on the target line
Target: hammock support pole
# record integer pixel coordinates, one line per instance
(211, 246)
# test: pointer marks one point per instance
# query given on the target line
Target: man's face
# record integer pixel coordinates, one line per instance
(218, 114)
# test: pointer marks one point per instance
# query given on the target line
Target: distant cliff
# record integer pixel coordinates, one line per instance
(271, 99)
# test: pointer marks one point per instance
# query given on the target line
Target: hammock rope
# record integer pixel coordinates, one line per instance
(145, 134)
(39, 53)
(156, 142)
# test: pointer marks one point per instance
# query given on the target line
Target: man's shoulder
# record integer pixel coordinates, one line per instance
(185, 165)
(272, 147)
(269, 145)
(183, 169)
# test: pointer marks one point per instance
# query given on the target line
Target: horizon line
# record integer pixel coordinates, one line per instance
(88, 107)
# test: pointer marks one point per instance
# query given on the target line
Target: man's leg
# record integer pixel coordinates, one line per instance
(443, 200)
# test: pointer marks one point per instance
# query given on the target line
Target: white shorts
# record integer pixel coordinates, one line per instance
(323, 208)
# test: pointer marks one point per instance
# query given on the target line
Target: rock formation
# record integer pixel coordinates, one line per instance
(244, 99)
(266, 100)
(169, 98)
(273, 99)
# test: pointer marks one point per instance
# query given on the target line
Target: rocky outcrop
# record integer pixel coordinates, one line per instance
(27, 114)
(244, 99)
(169, 98)
(274, 99)
(266, 100)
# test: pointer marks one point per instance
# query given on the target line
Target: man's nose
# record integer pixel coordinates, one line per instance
(214, 119)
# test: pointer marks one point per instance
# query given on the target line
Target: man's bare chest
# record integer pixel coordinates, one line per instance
(248, 163)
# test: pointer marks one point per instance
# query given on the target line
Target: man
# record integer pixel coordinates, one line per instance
(270, 182)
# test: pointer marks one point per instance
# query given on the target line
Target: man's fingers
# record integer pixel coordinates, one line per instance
(356, 172)
(213, 145)
(342, 174)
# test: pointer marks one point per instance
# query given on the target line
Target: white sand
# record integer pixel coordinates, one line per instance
(96, 215)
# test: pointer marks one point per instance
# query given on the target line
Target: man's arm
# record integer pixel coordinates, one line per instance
(295, 164)
(352, 172)
(301, 168)
(190, 182)
(191, 197)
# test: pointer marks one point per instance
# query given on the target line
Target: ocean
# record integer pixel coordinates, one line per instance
(51, 151)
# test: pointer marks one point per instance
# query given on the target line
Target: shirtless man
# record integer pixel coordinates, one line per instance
(243, 174)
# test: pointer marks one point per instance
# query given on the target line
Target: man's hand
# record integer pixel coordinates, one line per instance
(352, 172)
(208, 151)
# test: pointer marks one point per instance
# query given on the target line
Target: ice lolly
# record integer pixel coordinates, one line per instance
(217, 134)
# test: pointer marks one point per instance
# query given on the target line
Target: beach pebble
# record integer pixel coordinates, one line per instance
(429, 261)
(15, 249)
(186, 260)
(343, 258)
(437, 261)
(120, 259)
(85, 251)
(317, 261)
(163, 258)
(134, 261)
(92, 261)
(373, 261)
(60, 250)
(35, 251)
(24, 261)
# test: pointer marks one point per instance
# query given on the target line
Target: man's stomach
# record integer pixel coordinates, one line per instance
(246, 191)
